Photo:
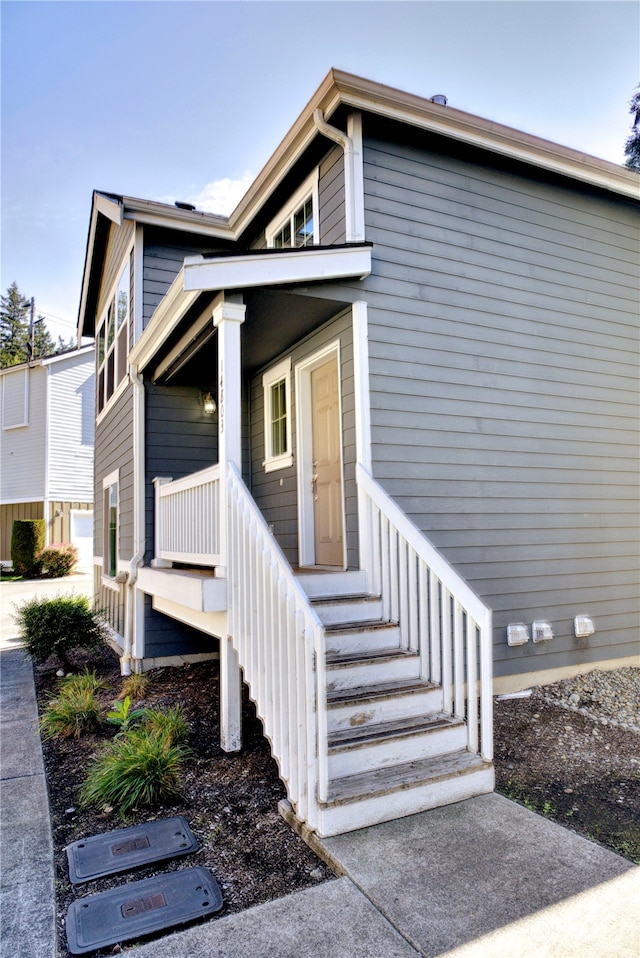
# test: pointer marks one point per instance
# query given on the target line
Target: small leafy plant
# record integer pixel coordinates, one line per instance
(139, 768)
(55, 626)
(76, 708)
(123, 715)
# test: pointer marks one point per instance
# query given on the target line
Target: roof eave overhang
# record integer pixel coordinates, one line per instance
(309, 265)
(340, 88)
(110, 208)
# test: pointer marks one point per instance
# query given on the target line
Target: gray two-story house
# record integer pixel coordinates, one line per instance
(373, 439)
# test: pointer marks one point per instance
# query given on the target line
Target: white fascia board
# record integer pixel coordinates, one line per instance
(109, 206)
(161, 214)
(486, 134)
(164, 320)
(271, 269)
(72, 354)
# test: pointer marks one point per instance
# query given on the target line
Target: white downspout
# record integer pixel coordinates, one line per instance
(138, 515)
(353, 171)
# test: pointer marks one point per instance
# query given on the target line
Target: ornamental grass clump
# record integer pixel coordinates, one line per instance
(75, 709)
(55, 626)
(169, 724)
(135, 686)
(139, 768)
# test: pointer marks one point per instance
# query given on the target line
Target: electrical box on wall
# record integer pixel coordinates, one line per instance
(541, 631)
(517, 633)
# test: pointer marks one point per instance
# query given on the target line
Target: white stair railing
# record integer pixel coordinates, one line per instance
(281, 647)
(439, 615)
(187, 518)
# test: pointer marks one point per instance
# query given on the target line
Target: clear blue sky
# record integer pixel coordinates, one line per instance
(172, 100)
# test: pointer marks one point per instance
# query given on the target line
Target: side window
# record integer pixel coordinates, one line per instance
(276, 385)
(113, 341)
(111, 497)
(296, 225)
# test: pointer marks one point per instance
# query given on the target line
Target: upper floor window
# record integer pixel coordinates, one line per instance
(113, 340)
(296, 225)
(276, 384)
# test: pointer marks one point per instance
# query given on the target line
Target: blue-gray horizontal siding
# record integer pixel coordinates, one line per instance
(503, 334)
(276, 492)
(331, 212)
(163, 258)
(180, 439)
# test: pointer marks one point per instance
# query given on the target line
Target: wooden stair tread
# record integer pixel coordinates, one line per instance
(362, 625)
(380, 690)
(380, 781)
(336, 659)
(363, 734)
(344, 599)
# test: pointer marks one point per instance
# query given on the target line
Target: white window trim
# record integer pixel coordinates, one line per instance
(25, 408)
(281, 370)
(113, 296)
(308, 189)
(107, 580)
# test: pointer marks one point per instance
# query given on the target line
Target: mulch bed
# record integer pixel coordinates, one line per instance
(564, 765)
(229, 800)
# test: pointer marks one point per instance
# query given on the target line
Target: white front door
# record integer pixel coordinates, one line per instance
(320, 497)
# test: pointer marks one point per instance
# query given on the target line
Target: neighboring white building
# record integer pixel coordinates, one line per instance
(46, 448)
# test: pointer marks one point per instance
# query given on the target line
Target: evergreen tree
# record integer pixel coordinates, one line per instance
(632, 146)
(14, 327)
(15, 339)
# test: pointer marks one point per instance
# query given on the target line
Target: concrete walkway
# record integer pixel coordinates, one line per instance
(481, 879)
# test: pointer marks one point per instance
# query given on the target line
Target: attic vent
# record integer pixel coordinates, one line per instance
(184, 206)
(439, 98)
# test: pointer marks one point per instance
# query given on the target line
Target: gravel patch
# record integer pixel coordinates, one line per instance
(611, 698)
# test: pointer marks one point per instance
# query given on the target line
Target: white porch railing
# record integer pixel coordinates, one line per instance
(439, 615)
(280, 644)
(187, 518)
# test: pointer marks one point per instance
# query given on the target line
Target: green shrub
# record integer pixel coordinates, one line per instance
(169, 724)
(59, 559)
(27, 542)
(54, 626)
(74, 710)
(137, 769)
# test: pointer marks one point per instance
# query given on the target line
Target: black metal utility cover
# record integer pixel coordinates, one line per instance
(141, 908)
(129, 848)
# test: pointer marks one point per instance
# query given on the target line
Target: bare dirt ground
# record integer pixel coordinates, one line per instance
(570, 766)
(563, 764)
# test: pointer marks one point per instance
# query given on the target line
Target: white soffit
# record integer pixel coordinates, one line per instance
(271, 269)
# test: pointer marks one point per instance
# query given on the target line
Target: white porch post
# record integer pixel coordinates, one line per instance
(227, 318)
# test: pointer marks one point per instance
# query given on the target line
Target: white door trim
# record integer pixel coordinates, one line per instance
(304, 453)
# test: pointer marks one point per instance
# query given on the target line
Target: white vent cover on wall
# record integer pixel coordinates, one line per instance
(541, 631)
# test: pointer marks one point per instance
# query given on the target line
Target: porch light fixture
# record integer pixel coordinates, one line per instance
(209, 404)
